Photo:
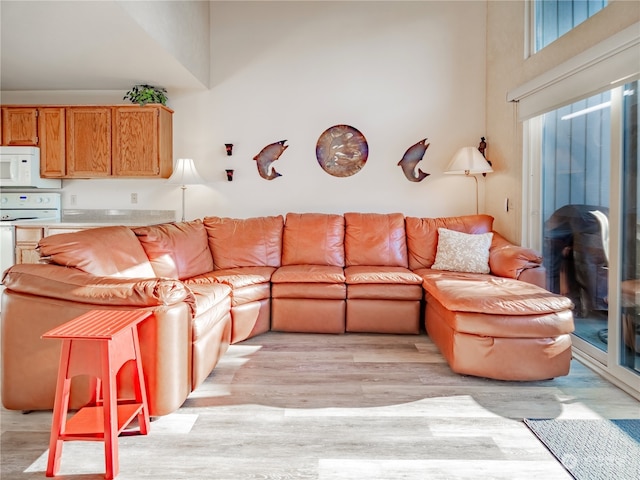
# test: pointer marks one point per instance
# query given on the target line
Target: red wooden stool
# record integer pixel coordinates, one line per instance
(98, 343)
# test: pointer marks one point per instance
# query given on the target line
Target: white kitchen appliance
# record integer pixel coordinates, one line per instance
(17, 208)
(20, 168)
(30, 206)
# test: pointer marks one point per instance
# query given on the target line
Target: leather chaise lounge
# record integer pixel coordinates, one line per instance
(216, 281)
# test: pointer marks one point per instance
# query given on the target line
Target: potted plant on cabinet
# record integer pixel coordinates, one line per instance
(143, 94)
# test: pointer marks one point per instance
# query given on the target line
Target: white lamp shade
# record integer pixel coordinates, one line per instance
(468, 161)
(185, 173)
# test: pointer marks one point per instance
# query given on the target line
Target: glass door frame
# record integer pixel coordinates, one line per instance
(608, 363)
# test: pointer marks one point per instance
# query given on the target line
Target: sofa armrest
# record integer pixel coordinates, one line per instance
(65, 283)
(509, 260)
(30, 362)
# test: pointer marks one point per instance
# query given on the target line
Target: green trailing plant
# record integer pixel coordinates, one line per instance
(143, 94)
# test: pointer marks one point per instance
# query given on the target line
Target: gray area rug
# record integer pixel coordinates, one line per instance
(592, 449)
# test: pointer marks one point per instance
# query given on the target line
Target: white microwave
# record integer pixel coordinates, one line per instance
(20, 168)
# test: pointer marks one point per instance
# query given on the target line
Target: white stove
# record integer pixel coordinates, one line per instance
(17, 208)
(23, 207)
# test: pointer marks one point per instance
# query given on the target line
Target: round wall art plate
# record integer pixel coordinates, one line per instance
(342, 150)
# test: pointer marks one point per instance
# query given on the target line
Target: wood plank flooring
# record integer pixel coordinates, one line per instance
(334, 407)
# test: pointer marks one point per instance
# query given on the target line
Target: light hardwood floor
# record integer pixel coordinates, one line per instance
(344, 407)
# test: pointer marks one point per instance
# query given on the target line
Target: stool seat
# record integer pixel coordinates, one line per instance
(98, 343)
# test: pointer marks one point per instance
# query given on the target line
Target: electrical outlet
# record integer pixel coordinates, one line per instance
(73, 200)
(134, 198)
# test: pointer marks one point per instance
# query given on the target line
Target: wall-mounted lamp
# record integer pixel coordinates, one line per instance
(482, 147)
(229, 148)
(229, 175)
(469, 161)
(185, 173)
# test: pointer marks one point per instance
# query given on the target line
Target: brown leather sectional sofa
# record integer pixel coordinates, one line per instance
(217, 281)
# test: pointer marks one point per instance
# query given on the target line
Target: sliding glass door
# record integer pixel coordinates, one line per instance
(576, 162)
(589, 225)
(630, 234)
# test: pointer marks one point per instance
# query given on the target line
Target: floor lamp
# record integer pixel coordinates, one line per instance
(185, 173)
(470, 162)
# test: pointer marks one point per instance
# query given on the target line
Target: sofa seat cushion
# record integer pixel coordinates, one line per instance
(105, 251)
(481, 293)
(177, 250)
(327, 291)
(245, 242)
(308, 274)
(236, 277)
(381, 275)
(422, 235)
(210, 295)
(248, 284)
(375, 239)
(313, 239)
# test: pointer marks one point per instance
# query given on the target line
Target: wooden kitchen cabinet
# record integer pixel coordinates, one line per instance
(27, 239)
(52, 141)
(42, 127)
(142, 141)
(88, 135)
(20, 126)
(94, 141)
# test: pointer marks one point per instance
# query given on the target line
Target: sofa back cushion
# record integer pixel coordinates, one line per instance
(422, 235)
(313, 239)
(105, 251)
(246, 242)
(375, 239)
(177, 250)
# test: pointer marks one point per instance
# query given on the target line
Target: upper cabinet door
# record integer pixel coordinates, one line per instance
(20, 126)
(51, 130)
(88, 142)
(142, 144)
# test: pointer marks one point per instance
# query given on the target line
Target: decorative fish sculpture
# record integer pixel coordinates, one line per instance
(267, 156)
(411, 158)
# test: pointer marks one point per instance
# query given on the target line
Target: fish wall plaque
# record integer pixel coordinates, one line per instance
(267, 156)
(410, 159)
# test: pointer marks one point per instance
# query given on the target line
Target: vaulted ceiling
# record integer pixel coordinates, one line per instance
(82, 45)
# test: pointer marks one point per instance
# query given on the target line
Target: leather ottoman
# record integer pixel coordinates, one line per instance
(498, 328)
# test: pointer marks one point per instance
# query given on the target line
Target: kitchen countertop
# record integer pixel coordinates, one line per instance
(102, 218)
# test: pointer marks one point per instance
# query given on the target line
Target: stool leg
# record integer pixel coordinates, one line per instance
(60, 408)
(110, 409)
(96, 386)
(140, 390)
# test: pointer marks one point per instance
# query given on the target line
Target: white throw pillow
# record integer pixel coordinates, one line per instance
(462, 252)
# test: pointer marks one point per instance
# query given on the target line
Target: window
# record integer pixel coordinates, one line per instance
(554, 18)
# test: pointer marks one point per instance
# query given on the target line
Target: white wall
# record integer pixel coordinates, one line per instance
(397, 71)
